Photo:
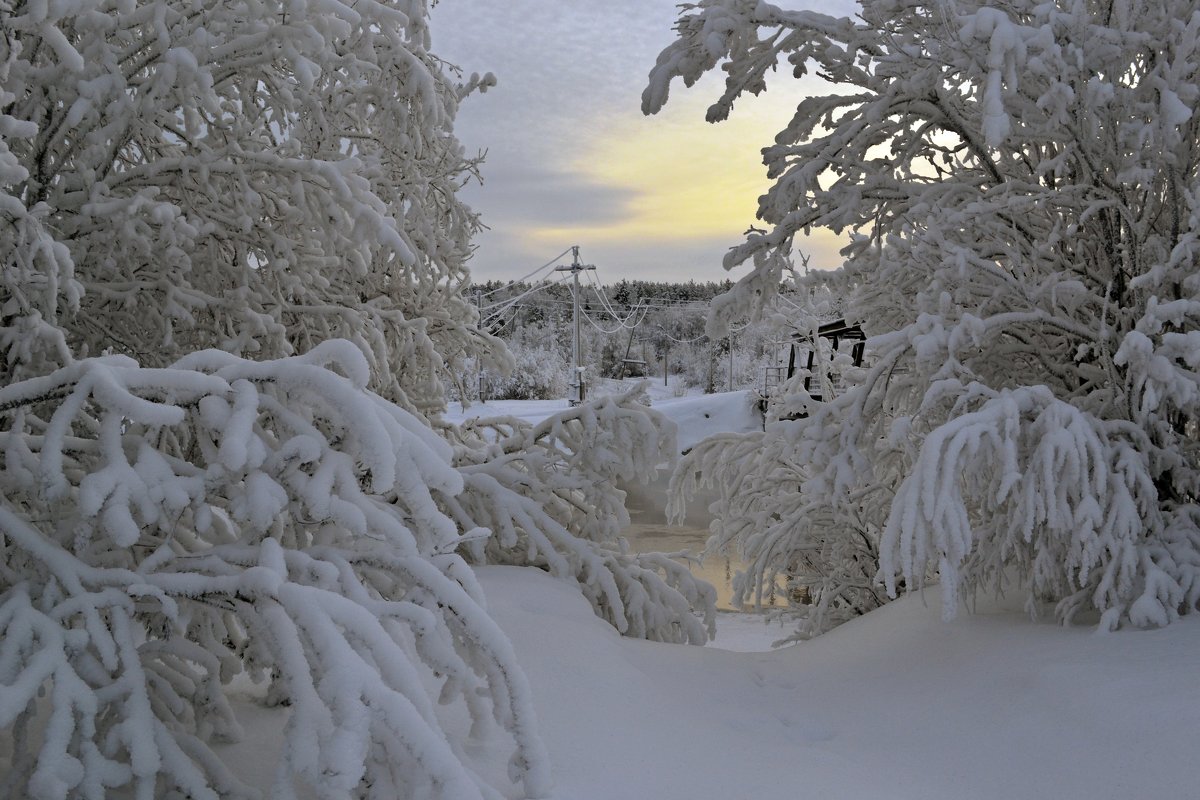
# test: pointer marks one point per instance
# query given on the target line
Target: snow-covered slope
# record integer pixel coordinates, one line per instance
(895, 705)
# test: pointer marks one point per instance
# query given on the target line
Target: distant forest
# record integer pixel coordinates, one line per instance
(628, 329)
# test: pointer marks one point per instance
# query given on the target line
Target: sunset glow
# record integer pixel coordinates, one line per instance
(683, 179)
(571, 160)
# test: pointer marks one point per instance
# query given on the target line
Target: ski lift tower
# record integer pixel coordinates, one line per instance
(577, 388)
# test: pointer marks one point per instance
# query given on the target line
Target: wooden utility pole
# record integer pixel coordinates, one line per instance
(575, 268)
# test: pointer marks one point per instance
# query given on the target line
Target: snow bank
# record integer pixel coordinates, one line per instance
(896, 704)
(701, 416)
(531, 411)
(698, 416)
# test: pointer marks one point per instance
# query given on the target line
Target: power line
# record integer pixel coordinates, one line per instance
(640, 309)
(621, 324)
(549, 263)
(682, 341)
(504, 305)
(599, 289)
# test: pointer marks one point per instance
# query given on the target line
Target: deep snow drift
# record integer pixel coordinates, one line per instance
(898, 704)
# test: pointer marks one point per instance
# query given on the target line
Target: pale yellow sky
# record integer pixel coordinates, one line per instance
(685, 183)
(685, 179)
(571, 160)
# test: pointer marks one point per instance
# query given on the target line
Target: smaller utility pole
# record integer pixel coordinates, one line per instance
(575, 268)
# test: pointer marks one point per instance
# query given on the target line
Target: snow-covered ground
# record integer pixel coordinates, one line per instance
(898, 704)
(697, 415)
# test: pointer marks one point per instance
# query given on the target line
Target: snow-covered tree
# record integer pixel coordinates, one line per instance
(541, 365)
(186, 184)
(1018, 180)
(261, 178)
(252, 176)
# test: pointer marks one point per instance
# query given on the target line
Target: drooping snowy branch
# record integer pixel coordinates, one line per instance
(549, 492)
(165, 530)
(1028, 483)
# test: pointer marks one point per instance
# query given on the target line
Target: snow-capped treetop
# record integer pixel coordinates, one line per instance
(252, 176)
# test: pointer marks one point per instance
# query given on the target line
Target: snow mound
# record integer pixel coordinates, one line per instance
(698, 416)
(705, 415)
(895, 704)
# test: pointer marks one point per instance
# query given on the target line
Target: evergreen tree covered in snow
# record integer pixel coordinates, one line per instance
(1019, 182)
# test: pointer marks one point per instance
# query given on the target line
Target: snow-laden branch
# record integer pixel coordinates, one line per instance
(1030, 483)
(549, 492)
(273, 519)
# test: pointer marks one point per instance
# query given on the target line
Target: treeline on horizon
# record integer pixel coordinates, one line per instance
(623, 292)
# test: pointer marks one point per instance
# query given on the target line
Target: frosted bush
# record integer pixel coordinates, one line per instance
(549, 494)
(539, 372)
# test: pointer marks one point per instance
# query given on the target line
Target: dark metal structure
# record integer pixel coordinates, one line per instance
(836, 332)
